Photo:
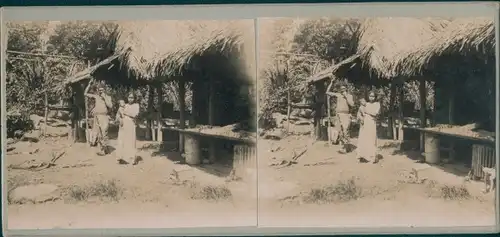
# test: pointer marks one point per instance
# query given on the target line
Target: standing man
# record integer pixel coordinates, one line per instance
(103, 105)
(345, 101)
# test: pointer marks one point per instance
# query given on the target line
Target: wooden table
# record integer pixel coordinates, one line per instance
(192, 143)
(483, 153)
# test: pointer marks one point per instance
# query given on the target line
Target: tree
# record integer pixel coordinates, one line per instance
(30, 77)
(302, 48)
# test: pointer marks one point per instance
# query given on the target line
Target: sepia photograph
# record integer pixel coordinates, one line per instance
(130, 124)
(376, 122)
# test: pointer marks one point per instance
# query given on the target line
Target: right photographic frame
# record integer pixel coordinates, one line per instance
(377, 122)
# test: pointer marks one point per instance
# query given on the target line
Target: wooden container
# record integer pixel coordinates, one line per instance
(192, 149)
(244, 160)
(482, 156)
(431, 148)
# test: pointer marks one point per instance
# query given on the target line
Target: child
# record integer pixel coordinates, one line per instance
(361, 111)
(119, 115)
(119, 119)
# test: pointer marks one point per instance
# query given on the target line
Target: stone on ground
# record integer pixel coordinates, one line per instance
(34, 193)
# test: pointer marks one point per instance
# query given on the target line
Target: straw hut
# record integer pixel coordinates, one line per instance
(212, 58)
(463, 36)
(467, 48)
(383, 45)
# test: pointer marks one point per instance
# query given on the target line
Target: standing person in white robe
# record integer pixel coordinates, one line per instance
(367, 141)
(127, 137)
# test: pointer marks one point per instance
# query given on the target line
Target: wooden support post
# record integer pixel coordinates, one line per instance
(329, 130)
(289, 109)
(392, 100)
(149, 126)
(320, 100)
(194, 104)
(423, 106)
(159, 135)
(211, 119)
(451, 118)
(46, 113)
(79, 110)
(182, 111)
(401, 118)
(73, 116)
(86, 106)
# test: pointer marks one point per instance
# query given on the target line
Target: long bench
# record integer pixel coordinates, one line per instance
(483, 149)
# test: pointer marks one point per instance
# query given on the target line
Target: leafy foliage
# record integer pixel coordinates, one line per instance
(317, 44)
(314, 47)
(30, 76)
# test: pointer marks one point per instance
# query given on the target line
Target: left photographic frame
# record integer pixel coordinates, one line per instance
(130, 124)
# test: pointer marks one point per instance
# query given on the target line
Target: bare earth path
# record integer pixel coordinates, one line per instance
(387, 199)
(127, 215)
(144, 195)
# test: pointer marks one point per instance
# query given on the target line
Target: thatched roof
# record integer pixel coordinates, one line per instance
(88, 73)
(463, 36)
(166, 48)
(330, 71)
(385, 42)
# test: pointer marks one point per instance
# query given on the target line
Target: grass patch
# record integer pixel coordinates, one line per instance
(107, 190)
(447, 192)
(343, 191)
(210, 192)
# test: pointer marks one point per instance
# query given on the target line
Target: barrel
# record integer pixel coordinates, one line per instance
(482, 156)
(244, 159)
(431, 148)
(192, 149)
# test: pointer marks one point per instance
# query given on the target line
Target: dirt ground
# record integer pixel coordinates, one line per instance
(326, 189)
(322, 188)
(96, 192)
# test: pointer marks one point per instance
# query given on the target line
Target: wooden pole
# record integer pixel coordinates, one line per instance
(451, 117)
(72, 116)
(320, 100)
(423, 106)
(392, 100)
(86, 101)
(401, 118)
(211, 103)
(182, 109)
(149, 126)
(211, 120)
(159, 136)
(329, 112)
(289, 110)
(194, 104)
(40, 54)
(46, 113)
